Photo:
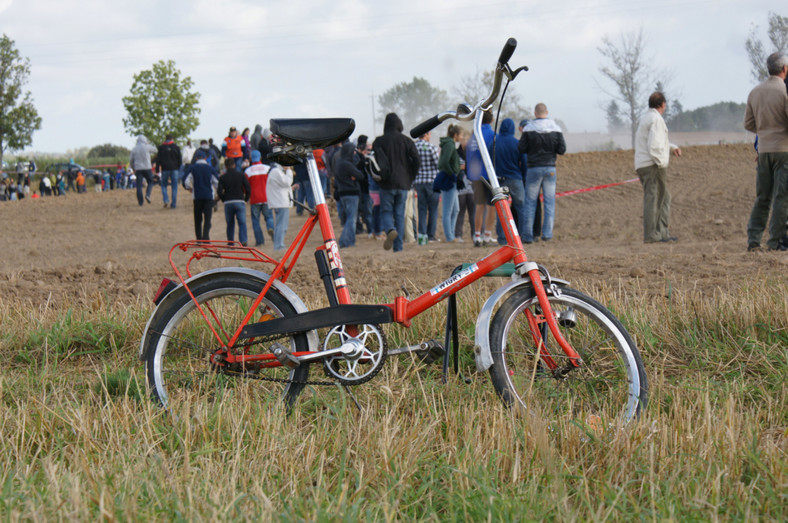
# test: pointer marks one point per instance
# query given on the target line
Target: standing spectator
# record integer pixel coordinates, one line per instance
(364, 201)
(510, 169)
(427, 198)
(477, 172)
(403, 160)
(203, 180)
(464, 192)
(61, 184)
(304, 194)
(348, 178)
(106, 180)
(652, 153)
(211, 155)
(257, 173)
(187, 153)
(767, 116)
(45, 186)
(139, 161)
(21, 169)
(216, 152)
(245, 137)
(538, 213)
(81, 186)
(449, 165)
(234, 148)
(169, 160)
(280, 198)
(265, 146)
(321, 168)
(234, 191)
(541, 140)
(257, 135)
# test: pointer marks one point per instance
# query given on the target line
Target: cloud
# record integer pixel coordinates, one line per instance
(5, 4)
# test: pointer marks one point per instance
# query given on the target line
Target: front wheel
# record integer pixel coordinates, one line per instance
(184, 360)
(531, 370)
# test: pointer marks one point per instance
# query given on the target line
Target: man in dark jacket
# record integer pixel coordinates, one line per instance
(348, 180)
(234, 190)
(202, 179)
(169, 160)
(510, 170)
(541, 140)
(404, 162)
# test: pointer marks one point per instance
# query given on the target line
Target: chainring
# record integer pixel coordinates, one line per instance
(362, 365)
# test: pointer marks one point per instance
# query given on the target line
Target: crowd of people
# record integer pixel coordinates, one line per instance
(391, 188)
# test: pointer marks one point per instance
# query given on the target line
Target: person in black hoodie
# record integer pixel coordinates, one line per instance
(169, 160)
(404, 161)
(234, 190)
(348, 180)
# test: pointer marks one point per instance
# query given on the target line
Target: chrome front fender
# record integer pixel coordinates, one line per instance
(481, 348)
(263, 277)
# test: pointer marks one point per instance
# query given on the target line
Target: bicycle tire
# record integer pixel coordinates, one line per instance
(609, 385)
(181, 343)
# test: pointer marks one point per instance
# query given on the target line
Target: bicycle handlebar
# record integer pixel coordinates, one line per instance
(464, 112)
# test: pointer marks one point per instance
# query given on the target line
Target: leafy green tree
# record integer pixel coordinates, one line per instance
(161, 102)
(18, 117)
(413, 101)
(757, 53)
(108, 150)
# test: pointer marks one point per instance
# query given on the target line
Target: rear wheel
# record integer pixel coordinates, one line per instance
(184, 360)
(609, 385)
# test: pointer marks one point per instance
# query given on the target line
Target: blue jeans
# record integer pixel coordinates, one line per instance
(235, 211)
(544, 178)
(305, 194)
(517, 203)
(428, 209)
(257, 210)
(451, 208)
(392, 213)
(147, 174)
(167, 178)
(350, 204)
(281, 218)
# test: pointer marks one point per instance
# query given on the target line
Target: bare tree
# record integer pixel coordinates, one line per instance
(413, 101)
(627, 70)
(778, 37)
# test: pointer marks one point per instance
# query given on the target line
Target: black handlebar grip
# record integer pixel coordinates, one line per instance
(508, 51)
(425, 127)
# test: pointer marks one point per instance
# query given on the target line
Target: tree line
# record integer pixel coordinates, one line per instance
(161, 100)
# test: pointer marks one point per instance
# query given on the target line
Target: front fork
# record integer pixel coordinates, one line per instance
(533, 271)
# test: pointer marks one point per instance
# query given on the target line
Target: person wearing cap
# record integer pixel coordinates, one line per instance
(257, 174)
(234, 148)
(202, 179)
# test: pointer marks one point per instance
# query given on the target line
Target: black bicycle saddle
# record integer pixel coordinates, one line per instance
(314, 132)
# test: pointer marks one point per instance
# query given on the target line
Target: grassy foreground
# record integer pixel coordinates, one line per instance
(81, 441)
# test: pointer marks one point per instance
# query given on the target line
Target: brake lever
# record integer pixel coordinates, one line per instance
(517, 71)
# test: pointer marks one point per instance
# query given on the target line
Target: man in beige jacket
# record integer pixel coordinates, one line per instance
(652, 153)
(767, 116)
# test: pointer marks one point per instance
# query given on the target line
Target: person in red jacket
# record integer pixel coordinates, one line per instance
(234, 148)
(257, 174)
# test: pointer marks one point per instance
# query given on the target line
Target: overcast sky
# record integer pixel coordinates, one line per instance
(256, 60)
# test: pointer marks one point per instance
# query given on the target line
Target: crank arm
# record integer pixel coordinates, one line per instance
(321, 354)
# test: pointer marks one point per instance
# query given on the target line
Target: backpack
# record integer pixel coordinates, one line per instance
(378, 166)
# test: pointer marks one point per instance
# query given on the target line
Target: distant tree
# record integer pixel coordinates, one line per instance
(757, 53)
(614, 122)
(626, 68)
(161, 102)
(108, 150)
(719, 117)
(473, 87)
(413, 101)
(18, 116)
(673, 106)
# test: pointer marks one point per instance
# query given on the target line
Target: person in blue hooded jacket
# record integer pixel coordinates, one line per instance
(510, 168)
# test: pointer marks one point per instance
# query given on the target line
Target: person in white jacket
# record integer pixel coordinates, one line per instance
(652, 153)
(280, 199)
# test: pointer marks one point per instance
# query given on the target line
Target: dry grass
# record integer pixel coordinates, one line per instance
(81, 441)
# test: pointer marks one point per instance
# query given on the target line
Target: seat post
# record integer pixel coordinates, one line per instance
(314, 179)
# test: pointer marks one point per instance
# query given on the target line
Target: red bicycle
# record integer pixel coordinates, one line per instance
(544, 344)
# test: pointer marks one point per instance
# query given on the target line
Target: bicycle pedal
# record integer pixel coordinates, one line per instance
(433, 351)
(284, 356)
